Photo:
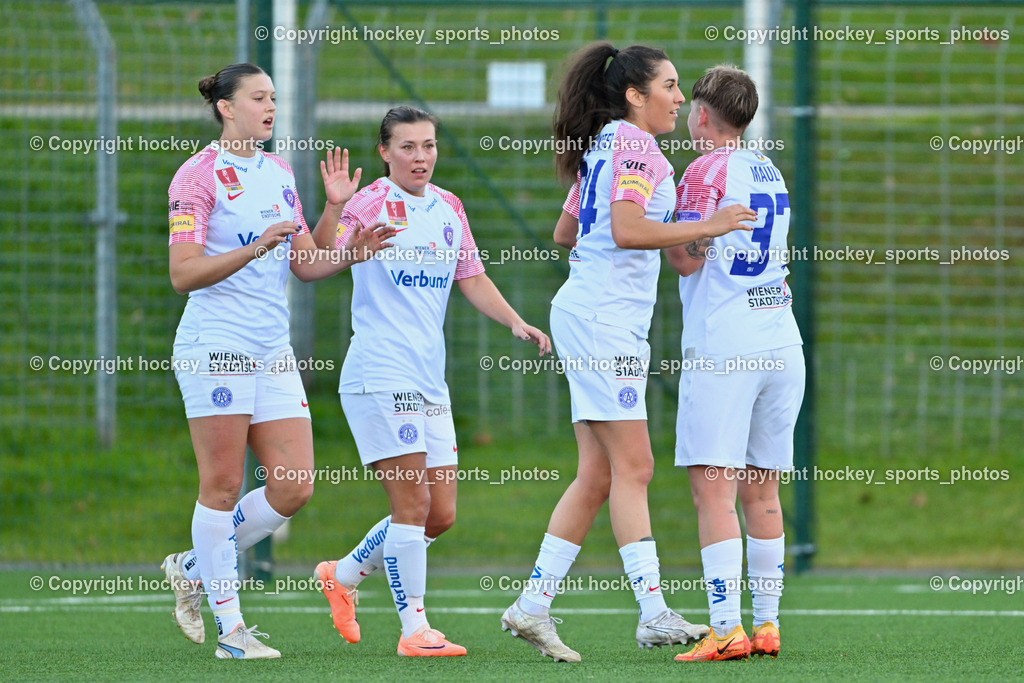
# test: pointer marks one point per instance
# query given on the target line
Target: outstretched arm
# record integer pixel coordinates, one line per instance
(310, 263)
(631, 229)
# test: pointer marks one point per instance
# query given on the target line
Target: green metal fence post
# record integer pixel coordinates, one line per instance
(802, 221)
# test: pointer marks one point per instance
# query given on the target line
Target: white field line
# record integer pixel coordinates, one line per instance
(295, 609)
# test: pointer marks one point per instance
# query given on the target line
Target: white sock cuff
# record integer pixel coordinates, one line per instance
(205, 515)
(557, 555)
(640, 556)
(765, 557)
(723, 560)
(263, 507)
(405, 533)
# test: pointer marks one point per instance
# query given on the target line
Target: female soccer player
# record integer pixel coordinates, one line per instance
(236, 230)
(611, 105)
(392, 381)
(737, 310)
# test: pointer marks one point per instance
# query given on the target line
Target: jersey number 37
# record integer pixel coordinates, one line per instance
(760, 236)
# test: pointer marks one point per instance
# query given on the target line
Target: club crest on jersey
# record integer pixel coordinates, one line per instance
(221, 397)
(229, 179)
(449, 234)
(407, 434)
(396, 212)
(289, 197)
(628, 397)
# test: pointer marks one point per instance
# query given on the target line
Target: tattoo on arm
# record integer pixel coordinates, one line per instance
(697, 248)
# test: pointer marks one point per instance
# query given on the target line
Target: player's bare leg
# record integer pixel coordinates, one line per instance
(631, 462)
(528, 618)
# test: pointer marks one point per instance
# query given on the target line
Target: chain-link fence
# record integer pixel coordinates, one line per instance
(884, 185)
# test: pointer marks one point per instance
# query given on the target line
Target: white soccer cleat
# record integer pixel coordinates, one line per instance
(539, 632)
(242, 643)
(668, 628)
(188, 598)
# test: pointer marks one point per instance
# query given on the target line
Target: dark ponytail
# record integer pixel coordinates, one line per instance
(593, 93)
(224, 84)
(395, 116)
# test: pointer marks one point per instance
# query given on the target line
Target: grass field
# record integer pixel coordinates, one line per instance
(833, 626)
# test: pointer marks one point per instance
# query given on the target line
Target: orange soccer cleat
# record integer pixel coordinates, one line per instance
(715, 648)
(428, 642)
(342, 600)
(765, 640)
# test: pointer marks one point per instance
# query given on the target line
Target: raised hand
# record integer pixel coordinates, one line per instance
(338, 187)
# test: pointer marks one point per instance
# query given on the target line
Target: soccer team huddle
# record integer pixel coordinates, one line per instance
(237, 230)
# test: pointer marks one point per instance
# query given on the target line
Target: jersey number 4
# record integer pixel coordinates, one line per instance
(760, 236)
(588, 196)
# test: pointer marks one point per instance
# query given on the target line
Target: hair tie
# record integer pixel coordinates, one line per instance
(614, 54)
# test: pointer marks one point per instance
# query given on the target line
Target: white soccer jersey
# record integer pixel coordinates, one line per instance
(399, 296)
(608, 284)
(738, 301)
(224, 202)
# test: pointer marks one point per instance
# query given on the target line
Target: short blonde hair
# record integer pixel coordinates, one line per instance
(729, 93)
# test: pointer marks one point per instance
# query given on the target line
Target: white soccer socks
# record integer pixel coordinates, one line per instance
(640, 562)
(405, 569)
(214, 539)
(765, 558)
(553, 563)
(253, 520)
(723, 567)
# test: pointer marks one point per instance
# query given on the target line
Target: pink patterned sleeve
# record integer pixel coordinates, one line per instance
(572, 202)
(638, 167)
(363, 208)
(702, 188)
(191, 198)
